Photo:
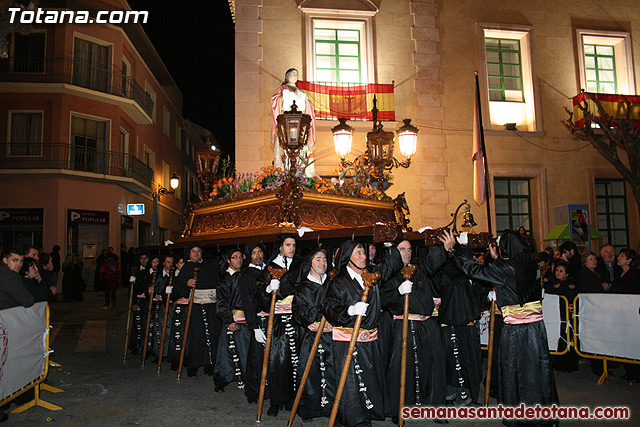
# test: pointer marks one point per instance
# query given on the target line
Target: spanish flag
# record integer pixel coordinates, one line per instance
(613, 105)
(350, 101)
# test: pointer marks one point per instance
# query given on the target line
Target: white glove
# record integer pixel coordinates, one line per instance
(274, 285)
(151, 271)
(260, 336)
(491, 296)
(405, 287)
(358, 309)
(132, 279)
(463, 238)
(168, 289)
(387, 244)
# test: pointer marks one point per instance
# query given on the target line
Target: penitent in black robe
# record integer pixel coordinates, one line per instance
(459, 311)
(141, 304)
(425, 377)
(248, 289)
(204, 328)
(320, 388)
(363, 395)
(283, 355)
(525, 374)
(233, 347)
(157, 315)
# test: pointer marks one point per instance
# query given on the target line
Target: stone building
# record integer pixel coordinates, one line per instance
(532, 58)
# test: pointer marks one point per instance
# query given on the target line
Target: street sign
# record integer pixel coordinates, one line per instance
(135, 209)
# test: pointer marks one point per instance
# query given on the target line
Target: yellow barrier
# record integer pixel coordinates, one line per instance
(568, 338)
(36, 384)
(603, 357)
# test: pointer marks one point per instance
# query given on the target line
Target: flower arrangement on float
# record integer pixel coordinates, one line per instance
(357, 180)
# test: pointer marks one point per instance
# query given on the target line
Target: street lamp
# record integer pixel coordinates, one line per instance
(293, 128)
(379, 152)
(174, 182)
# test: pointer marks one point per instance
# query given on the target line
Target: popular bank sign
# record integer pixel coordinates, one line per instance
(75, 216)
(21, 216)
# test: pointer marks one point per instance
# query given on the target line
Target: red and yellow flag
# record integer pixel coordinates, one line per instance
(353, 102)
(613, 105)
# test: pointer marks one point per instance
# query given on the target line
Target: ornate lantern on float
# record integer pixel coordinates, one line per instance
(293, 133)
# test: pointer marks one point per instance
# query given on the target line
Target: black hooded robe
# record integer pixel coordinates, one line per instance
(248, 289)
(525, 373)
(320, 388)
(233, 347)
(204, 328)
(141, 303)
(425, 375)
(283, 355)
(459, 311)
(363, 395)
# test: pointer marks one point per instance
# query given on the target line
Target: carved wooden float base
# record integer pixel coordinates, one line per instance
(259, 216)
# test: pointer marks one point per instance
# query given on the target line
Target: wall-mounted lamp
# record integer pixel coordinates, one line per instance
(510, 126)
(174, 183)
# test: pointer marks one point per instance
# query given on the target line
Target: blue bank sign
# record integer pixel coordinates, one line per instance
(135, 209)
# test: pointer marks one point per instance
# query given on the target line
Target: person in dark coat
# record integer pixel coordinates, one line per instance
(283, 356)
(110, 279)
(72, 281)
(525, 374)
(12, 291)
(571, 254)
(589, 280)
(320, 388)
(161, 291)
(629, 280)
(55, 259)
(32, 280)
(564, 285)
(233, 347)
(629, 283)
(608, 267)
(204, 327)
(363, 396)
(425, 375)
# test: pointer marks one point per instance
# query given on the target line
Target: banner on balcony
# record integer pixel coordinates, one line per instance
(22, 346)
(552, 322)
(613, 105)
(351, 101)
(609, 324)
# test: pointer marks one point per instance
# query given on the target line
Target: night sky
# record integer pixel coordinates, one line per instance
(196, 43)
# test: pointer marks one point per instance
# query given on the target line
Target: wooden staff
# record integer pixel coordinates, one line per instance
(166, 312)
(307, 370)
(146, 329)
(370, 280)
(276, 273)
(186, 325)
(407, 273)
(128, 331)
(492, 324)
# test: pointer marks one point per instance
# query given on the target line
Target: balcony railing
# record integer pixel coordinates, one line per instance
(64, 70)
(54, 155)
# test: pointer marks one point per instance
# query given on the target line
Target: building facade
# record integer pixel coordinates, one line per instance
(531, 57)
(91, 121)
